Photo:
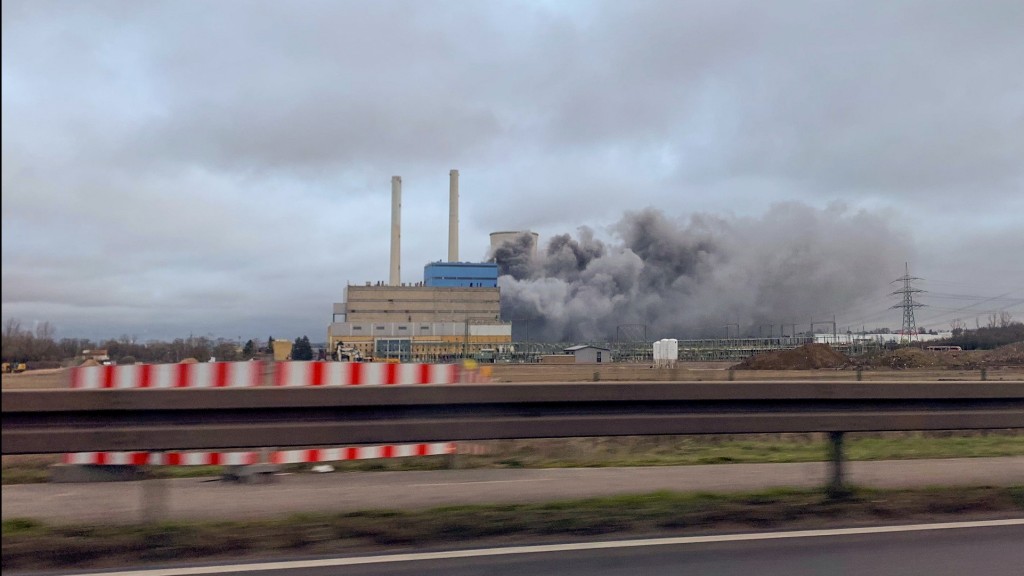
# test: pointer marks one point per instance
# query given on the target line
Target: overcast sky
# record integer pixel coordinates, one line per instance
(222, 168)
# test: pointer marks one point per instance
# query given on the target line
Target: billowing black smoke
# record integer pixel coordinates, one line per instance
(513, 257)
(688, 279)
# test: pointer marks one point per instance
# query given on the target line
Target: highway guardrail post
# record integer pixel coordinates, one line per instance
(453, 456)
(860, 374)
(154, 491)
(984, 374)
(836, 488)
(732, 375)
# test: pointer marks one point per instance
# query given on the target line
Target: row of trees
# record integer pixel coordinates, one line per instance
(986, 337)
(40, 348)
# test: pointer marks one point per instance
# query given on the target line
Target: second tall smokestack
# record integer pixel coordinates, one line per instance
(396, 230)
(453, 216)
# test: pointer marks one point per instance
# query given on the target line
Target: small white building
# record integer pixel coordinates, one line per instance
(588, 354)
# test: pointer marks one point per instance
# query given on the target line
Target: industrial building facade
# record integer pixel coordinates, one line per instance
(418, 322)
(418, 303)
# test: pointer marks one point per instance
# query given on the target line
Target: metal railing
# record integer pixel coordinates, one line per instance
(51, 421)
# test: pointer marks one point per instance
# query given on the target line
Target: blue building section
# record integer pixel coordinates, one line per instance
(461, 275)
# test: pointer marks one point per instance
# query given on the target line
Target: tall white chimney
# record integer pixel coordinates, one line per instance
(453, 216)
(396, 230)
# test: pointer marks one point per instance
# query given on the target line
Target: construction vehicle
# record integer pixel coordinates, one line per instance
(6, 368)
(20, 367)
(344, 353)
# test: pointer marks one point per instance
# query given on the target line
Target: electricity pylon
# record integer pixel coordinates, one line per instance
(907, 303)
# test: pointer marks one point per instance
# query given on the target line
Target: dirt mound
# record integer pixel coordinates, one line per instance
(90, 362)
(189, 361)
(1009, 354)
(913, 358)
(806, 357)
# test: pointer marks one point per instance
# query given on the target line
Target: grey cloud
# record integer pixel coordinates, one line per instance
(250, 143)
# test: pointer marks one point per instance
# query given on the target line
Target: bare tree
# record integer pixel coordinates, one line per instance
(46, 331)
(1005, 319)
(12, 328)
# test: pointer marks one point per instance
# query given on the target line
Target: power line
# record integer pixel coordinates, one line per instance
(962, 308)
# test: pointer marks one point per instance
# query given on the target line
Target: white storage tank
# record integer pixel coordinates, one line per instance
(666, 352)
(672, 351)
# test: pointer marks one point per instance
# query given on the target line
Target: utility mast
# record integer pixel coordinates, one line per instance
(907, 303)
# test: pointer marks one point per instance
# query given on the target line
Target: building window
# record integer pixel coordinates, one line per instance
(394, 349)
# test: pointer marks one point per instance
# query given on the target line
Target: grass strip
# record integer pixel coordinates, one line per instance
(634, 451)
(32, 545)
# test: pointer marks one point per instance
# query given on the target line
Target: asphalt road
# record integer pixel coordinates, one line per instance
(928, 550)
(993, 552)
(184, 499)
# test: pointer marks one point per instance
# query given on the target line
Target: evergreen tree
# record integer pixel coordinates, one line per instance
(249, 350)
(302, 350)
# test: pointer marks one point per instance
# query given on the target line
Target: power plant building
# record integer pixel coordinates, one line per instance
(461, 274)
(455, 312)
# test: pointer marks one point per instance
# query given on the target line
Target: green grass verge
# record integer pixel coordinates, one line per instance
(28, 544)
(749, 449)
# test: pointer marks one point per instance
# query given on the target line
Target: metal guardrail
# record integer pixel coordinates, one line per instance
(52, 421)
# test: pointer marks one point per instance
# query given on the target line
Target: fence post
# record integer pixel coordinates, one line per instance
(154, 491)
(453, 456)
(984, 374)
(732, 374)
(860, 374)
(836, 488)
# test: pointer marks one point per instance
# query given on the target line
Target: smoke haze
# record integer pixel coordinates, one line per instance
(688, 278)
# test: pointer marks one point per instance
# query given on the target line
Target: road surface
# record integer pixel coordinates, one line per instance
(987, 548)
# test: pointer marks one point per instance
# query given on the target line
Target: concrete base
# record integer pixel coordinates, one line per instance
(68, 473)
(250, 473)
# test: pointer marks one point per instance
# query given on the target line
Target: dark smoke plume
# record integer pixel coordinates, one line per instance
(687, 279)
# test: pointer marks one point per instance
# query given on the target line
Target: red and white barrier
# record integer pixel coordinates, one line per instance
(362, 374)
(362, 453)
(250, 374)
(198, 375)
(250, 458)
(163, 458)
